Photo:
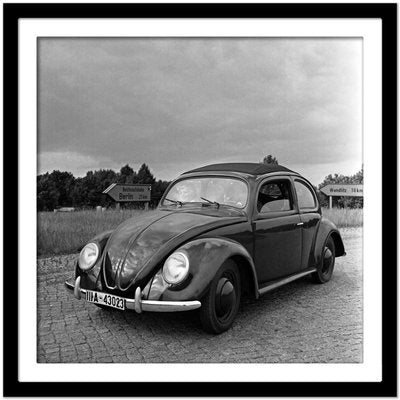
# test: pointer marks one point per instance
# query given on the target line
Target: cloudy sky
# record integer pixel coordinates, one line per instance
(177, 104)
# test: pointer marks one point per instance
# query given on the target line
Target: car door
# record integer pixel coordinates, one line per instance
(276, 229)
(310, 217)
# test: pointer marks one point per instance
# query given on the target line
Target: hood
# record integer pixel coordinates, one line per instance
(137, 245)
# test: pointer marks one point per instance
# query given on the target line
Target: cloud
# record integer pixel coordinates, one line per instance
(187, 102)
(70, 161)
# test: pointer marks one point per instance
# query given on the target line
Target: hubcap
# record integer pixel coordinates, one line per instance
(327, 260)
(225, 298)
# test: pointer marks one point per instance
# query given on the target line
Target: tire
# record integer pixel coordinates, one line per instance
(217, 316)
(324, 270)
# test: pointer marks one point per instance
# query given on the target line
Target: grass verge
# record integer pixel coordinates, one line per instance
(64, 233)
(344, 217)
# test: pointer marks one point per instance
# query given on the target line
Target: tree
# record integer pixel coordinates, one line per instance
(157, 190)
(47, 194)
(78, 193)
(269, 159)
(63, 182)
(54, 189)
(144, 175)
(103, 178)
(88, 191)
(127, 175)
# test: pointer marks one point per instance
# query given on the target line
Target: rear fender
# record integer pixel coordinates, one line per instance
(205, 258)
(326, 229)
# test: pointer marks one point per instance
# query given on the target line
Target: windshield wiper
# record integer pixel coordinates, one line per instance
(211, 202)
(175, 201)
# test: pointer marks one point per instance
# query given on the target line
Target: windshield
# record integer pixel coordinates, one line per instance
(228, 191)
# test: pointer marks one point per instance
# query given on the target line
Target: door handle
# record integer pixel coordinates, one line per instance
(300, 223)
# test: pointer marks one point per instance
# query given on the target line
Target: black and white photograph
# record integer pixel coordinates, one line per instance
(200, 209)
(262, 141)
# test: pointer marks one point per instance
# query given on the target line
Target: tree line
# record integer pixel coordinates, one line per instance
(61, 189)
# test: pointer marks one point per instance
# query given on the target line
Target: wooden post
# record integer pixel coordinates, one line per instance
(146, 206)
(330, 202)
(117, 206)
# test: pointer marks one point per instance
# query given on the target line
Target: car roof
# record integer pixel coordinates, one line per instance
(246, 168)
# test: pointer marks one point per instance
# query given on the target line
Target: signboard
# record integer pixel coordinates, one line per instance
(343, 190)
(123, 192)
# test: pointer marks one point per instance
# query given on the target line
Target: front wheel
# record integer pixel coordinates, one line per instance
(221, 303)
(325, 268)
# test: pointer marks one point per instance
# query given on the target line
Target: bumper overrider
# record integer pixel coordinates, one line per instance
(137, 303)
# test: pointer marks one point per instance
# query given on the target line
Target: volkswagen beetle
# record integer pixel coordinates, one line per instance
(220, 231)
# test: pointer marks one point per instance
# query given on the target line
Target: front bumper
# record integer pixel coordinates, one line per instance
(140, 305)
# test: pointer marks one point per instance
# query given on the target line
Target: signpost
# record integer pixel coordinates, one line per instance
(129, 193)
(342, 190)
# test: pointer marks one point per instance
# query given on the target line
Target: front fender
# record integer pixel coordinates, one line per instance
(89, 279)
(205, 258)
(100, 238)
(328, 228)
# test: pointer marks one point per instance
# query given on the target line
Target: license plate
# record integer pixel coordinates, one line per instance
(105, 299)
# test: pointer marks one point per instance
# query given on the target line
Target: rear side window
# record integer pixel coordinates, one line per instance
(305, 197)
(274, 196)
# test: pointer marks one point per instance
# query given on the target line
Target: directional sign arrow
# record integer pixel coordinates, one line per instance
(140, 192)
(343, 190)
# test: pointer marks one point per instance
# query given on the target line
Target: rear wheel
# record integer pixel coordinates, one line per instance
(221, 303)
(325, 268)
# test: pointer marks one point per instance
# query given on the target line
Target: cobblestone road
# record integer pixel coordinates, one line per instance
(300, 322)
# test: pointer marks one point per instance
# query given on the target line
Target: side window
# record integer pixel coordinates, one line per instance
(305, 197)
(274, 196)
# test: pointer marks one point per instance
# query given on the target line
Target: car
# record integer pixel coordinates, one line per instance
(220, 232)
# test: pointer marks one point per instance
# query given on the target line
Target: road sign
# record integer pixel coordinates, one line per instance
(343, 190)
(129, 192)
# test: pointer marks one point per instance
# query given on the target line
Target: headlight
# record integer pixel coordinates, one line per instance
(88, 256)
(176, 268)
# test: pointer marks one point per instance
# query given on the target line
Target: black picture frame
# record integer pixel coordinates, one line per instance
(386, 12)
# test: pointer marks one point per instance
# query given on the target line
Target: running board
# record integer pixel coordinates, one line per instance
(285, 281)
